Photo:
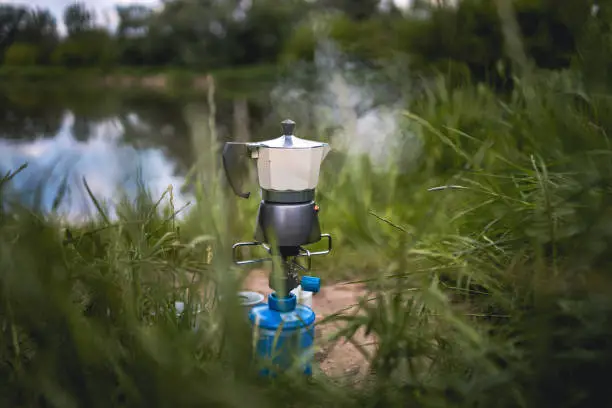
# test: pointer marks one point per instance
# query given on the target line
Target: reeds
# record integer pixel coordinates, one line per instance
(487, 278)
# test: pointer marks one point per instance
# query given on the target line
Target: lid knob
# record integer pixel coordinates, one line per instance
(288, 127)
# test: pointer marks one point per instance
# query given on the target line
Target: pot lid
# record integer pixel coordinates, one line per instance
(288, 140)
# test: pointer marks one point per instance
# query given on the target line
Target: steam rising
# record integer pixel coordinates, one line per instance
(346, 103)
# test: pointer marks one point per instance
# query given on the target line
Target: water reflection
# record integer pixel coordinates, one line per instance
(99, 153)
(112, 137)
(28, 115)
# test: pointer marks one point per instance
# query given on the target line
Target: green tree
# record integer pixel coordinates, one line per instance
(11, 21)
(22, 54)
(358, 10)
(301, 45)
(594, 56)
(184, 27)
(134, 36)
(470, 34)
(78, 19)
(40, 30)
(37, 27)
(371, 40)
(133, 20)
(88, 49)
(211, 34)
(260, 36)
(86, 45)
(551, 29)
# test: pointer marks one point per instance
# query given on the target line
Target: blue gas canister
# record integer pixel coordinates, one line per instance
(285, 332)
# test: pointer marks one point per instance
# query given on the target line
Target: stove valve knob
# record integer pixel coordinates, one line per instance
(311, 284)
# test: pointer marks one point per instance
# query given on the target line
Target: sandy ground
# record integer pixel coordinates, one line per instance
(343, 359)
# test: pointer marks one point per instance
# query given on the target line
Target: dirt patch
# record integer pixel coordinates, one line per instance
(343, 359)
(155, 82)
(158, 82)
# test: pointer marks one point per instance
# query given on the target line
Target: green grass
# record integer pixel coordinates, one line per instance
(492, 290)
(235, 81)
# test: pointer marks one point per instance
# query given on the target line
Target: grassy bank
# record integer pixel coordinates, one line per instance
(488, 264)
(235, 80)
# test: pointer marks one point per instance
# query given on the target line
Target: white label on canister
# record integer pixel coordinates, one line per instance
(289, 317)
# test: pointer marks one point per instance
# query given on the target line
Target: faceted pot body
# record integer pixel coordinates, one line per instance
(289, 169)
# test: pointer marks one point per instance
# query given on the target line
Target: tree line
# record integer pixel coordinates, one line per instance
(213, 34)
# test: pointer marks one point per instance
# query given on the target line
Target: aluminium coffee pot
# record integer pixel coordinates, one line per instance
(284, 165)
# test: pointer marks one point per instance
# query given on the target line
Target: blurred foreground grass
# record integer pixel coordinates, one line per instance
(488, 264)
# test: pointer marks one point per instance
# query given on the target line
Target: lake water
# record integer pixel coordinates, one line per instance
(107, 139)
(112, 139)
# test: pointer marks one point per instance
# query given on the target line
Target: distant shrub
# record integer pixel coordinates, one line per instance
(94, 48)
(181, 78)
(32, 73)
(21, 54)
(301, 45)
(368, 40)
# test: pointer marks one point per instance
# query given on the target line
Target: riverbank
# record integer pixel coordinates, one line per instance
(157, 79)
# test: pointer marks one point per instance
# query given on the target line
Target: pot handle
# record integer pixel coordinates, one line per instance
(234, 155)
